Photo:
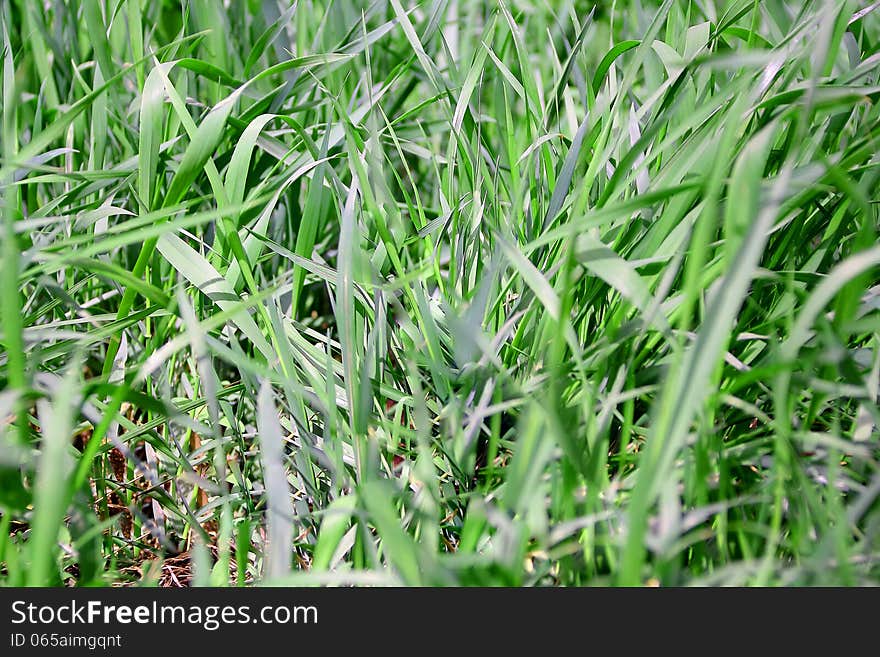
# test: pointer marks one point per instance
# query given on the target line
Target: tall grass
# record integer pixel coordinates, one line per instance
(440, 293)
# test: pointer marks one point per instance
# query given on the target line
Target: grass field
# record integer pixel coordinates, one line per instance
(490, 292)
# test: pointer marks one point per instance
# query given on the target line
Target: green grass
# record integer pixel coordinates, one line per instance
(451, 293)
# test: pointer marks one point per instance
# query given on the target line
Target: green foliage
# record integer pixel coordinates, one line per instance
(439, 293)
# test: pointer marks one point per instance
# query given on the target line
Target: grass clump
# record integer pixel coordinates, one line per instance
(440, 293)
